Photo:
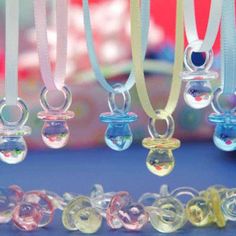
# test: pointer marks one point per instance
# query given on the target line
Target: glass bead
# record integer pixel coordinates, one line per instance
(133, 216)
(225, 137)
(198, 94)
(160, 162)
(199, 212)
(9, 197)
(13, 149)
(40, 199)
(119, 201)
(55, 134)
(169, 215)
(27, 216)
(118, 136)
(80, 215)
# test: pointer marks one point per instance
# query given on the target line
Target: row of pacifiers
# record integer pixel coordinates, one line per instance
(166, 211)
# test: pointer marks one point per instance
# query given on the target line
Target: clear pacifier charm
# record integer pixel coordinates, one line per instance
(13, 148)
(198, 91)
(118, 135)
(55, 131)
(229, 205)
(160, 160)
(167, 214)
(80, 215)
(225, 132)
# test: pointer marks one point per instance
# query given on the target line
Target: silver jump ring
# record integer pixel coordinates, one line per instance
(190, 49)
(169, 123)
(63, 107)
(23, 117)
(119, 89)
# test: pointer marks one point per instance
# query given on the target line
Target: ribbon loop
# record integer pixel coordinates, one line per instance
(138, 62)
(145, 8)
(212, 27)
(42, 43)
(11, 50)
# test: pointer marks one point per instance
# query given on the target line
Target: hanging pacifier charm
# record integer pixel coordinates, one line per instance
(225, 121)
(160, 160)
(198, 91)
(13, 148)
(55, 132)
(118, 134)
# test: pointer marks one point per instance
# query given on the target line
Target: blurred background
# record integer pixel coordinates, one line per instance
(111, 28)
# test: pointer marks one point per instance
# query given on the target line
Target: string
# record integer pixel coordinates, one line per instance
(42, 43)
(138, 63)
(11, 51)
(212, 26)
(228, 48)
(145, 11)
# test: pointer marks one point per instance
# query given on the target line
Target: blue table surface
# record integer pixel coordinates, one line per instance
(197, 164)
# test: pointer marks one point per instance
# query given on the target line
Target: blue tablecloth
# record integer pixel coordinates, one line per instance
(197, 164)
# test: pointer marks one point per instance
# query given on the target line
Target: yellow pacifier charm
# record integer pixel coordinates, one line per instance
(160, 160)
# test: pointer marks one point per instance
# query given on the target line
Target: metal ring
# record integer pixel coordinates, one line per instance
(190, 49)
(23, 118)
(118, 88)
(215, 102)
(63, 107)
(169, 129)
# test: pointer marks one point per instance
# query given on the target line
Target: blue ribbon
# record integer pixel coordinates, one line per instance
(91, 51)
(228, 47)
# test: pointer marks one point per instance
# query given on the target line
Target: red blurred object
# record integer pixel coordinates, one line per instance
(163, 13)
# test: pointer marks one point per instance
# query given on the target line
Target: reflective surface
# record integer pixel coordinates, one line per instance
(13, 150)
(198, 94)
(160, 162)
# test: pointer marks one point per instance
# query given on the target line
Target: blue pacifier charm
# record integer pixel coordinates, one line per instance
(198, 91)
(118, 135)
(225, 121)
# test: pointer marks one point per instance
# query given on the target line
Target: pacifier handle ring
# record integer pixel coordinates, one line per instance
(169, 129)
(184, 191)
(193, 48)
(63, 107)
(23, 118)
(119, 89)
(215, 102)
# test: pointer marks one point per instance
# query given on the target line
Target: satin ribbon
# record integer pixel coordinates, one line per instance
(11, 51)
(42, 43)
(212, 27)
(91, 50)
(228, 48)
(136, 44)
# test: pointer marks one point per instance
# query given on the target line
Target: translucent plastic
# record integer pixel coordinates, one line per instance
(198, 94)
(117, 203)
(80, 215)
(160, 162)
(13, 147)
(199, 212)
(168, 215)
(55, 131)
(9, 197)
